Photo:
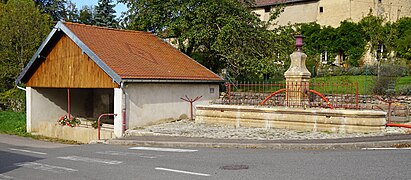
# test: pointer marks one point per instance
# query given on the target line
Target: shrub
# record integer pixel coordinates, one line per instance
(13, 100)
(329, 71)
(405, 90)
(355, 71)
(385, 82)
(95, 124)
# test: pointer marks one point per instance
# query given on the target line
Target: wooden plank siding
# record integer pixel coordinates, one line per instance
(67, 67)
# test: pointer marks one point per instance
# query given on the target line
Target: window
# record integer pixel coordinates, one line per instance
(321, 9)
(379, 1)
(324, 57)
(211, 90)
(267, 9)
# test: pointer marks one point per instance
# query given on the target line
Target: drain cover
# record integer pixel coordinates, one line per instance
(234, 167)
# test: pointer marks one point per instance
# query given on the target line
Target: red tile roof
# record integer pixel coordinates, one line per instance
(139, 55)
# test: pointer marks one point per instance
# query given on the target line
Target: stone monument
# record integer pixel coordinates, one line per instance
(297, 77)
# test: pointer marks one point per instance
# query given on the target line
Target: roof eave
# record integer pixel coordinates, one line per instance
(171, 81)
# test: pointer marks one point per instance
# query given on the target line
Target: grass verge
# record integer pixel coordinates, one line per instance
(14, 123)
(365, 83)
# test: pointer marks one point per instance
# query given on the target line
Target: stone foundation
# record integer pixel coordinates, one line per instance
(337, 121)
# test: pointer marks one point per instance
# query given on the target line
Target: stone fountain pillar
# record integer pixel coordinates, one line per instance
(297, 77)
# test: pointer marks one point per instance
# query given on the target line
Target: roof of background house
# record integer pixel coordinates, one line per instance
(125, 54)
(262, 3)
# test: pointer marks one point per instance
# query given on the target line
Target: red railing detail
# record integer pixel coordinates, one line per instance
(271, 95)
(98, 123)
(320, 95)
(323, 97)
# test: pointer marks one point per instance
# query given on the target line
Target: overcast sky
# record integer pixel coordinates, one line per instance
(80, 3)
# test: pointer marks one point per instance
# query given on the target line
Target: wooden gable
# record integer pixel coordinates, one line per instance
(66, 66)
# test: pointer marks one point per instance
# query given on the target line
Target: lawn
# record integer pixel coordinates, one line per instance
(365, 83)
(13, 123)
(333, 84)
(404, 81)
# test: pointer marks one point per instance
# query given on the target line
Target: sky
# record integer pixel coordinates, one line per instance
(80, 3)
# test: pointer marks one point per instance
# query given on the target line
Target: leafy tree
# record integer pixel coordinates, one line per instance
(283, 44)
(22, 29)
(86, 15)
(313, 44)
(403, 44)
(378, 33)
(217, 33)
(55, 8)
(105, 14)
(350, 42)
(72, 12)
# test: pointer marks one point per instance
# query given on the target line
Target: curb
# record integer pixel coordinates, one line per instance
(275, 146)
(98, 141)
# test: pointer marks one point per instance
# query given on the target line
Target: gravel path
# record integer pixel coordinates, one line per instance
(188, 128)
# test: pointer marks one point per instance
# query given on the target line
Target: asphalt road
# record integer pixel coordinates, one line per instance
(22, 158)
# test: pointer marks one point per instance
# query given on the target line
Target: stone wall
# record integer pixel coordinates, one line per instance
(401, 107)
(338, 121)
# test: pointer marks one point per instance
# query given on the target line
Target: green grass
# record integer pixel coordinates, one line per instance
(404, 81)
(365, 83)
(13, 123)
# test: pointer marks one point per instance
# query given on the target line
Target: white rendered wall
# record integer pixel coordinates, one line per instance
(118, 107)
(28, 108)
(44, 105)
(149, 103)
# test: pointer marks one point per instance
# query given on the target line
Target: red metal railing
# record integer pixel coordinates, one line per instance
(98, 123)
(321, 95)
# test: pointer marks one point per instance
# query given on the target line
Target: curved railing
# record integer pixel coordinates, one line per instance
(284, 89)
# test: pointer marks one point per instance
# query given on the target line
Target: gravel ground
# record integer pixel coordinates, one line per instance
(188, 128)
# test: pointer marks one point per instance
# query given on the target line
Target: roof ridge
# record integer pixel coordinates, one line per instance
(107, 28)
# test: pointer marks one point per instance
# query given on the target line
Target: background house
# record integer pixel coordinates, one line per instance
(93, 70)
(332, 12)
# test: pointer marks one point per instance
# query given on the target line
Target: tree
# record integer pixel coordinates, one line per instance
(105, 14)
(217, 33)
(72, 12)
(381, 35)
(55, 8)
(22, 29)
(350, 42)
(86, 15)
(403, 43)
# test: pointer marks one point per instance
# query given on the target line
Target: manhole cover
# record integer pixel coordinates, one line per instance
(234, 167)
